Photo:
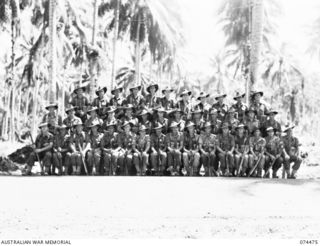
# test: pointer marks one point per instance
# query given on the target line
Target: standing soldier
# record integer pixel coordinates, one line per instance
(93, 112)
(81, 103)
(197, 119)
(144, 117)
(221, 106)
(151, 99)
(226, 148)
(259, 107)
(110, 117)
(240, 107)
(136, 99)
(203, 105)
(273, 153)
(185, 104)
(61, 150)
(251, 122)
(109, 147)
(42, 149)
(257, 148)
(77, 146)
(71, 119)
(177, 117)
(291, 152)
(126, 143)
(52, 118)
(117, 100)
(214, 121)
(174, 141)
(93, 143)
(271, 122)
(158, 150)
(191, 156)
(231, 120)
(101, 101)
(166, 101)
(141, 149)
(241, 151)
(161, 119)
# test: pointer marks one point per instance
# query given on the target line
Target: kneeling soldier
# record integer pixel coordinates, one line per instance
(141, 149)
(191, 150)
(42, 150)
(208, 147)
(241, 151)
(174, 141)
(257, 148)
(226, 148)
(61, 154)
(273, 153)
(93, 141)
(77, 145)
(158, 150)
(109, 146)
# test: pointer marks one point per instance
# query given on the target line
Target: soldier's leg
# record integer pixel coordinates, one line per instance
(230, 161)
(136, 162)
(222, 159)
(296, 165)
(185, 160)
(237, 160)
(73, 162)
(250, 163)
(30, 163)
(245, 165)
(96, 160)
(261, 165)
(276, 167)
(212, 161)
(170, 161)
(67, 163)
(47, 162)
(128, 163)
(154, 161)
(145, 158)
(163, 162)
(121, 163)
(196, 163)
(106, 162)
(57, 162)
(79, 163)
(205, 163)
(177, 159)
(90, 161)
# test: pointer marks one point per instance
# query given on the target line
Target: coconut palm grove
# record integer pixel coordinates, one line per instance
(159, 88)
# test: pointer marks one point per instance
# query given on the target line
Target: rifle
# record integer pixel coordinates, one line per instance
(40, 162)
(255, 166)
(241, 162)
(267, 172)
(83, 160)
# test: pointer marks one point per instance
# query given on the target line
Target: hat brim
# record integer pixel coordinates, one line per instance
(240, 96)
(272, 112)
(220, 96)
(258, 92)
(119, 88)
(104, 89)
(76, 90)
(135, 87)
(186, 93)
(51, 106)
(155, 85)
(170, 90)
(204, 96)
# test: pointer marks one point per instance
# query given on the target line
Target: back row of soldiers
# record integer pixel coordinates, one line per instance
(141, 135)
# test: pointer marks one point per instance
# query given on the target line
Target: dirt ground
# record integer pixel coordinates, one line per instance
(158, 207)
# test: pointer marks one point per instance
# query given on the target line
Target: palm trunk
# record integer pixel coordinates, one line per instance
(13, 75)
(52, 50)
(19, 108)
(35, 107)
(25, 117)
(115, 38)
(138, 58)
(93, 71)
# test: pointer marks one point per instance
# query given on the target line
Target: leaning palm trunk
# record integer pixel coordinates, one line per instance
(93, 42)
(25, 117)
(138, 58)
(256, 39)
(52, 50)
(35, 106)
(116, 30)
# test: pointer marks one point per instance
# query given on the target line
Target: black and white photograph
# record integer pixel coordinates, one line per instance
(159, 121)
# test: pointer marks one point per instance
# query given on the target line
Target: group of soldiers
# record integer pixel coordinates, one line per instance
(144, 134)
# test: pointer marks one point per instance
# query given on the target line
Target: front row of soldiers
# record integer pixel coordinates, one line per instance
(113, 147)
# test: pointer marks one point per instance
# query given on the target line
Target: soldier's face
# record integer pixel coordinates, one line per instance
(251, 114)
(174, 129)
(152, 89)
(167, 94)
(129, 112)
(185, 97)
(240, 130)
(160, 114)
(51, 110)
(214, 115)
(63, 131)
(116, 93)
(197, 116)
(203, 99)
(111, 114)
(220, 100)
(239, 99)
(271, 133)
(135, 91)
(177, 115)
(93, 113)
(257, 133)
(257, 97)
(208, 129)
(142, 133)
(111, 129)
(44, 129)
(79, 92)
(225, 130)
(79, 128)
(144, 117)
(101, 94)
(71, 113)
(289, 132)
(191, 129)
(231, 115)
(94, 129)
(271, 116)
(158, 131)
(127, 128)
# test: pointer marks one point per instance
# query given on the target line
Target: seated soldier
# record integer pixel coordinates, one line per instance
(52, 118)
(100, 102)
(231, 120)
(291, 152)
(126, 142)
(213, 119)
(240, 107)
(77, 146)
(257, 149)
(151, 99)
(176, 115)
(250, 121)
(93, 140)
(93, 117)
(241, 151)
(141, 149)
(191, 156)
(110, 111)
(174, 142)
(160, 119)
(185, 104)
(273, 153)
(158, 150)
(271, 122)
(144, 119)
(42, 150)
(166, 102)
(259, 107)
(197, 119)
(225, 148)
(61, 151)
(203, 105)
(71, 119)
(136, 99)
(109, 146)
(80, 102)
(117, 101)
(220, 106)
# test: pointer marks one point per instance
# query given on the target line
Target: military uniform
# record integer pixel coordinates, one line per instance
(101, 104)
(242, 153)
(226, 143)
(240, 109)
(273, 150)
(215, 126)
(251, 124)
(164, 122)
(257, 146)
(61, 154)
(77, 144)
(151, 101)
(69, 122)
(109, 145)
(126, 142)
(261, 110)
(90, 120)
(53, 120)
(222, 110)
(138, 102)
(166, 103)
(175, 143)
(158, 155)
(141, 156)
(274, 124)
(81, 104)
(208, 143)
(191, 153)
(94, 153)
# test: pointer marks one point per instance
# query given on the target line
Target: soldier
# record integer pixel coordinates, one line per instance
(273, 153)
(166, 101)
(177, 117)
(191, 155)
(109, 147)
(77, 146)
(93, 112)
(126, 142)
(151, 99)
(257, 148)
(161, 119)
(198, 120)
(61, 150)
(203, 105)
(81, 103)
(117, 101)
(158, 155)
(93, 143)
(240, 107)
(110, 117)
(185, 104)
(71, 119)
(52, 118)
(136, 99)
(250, 121)
(221, 106)
(241, 151)
(231, 120)
(291, 152)
(213, 119)
(225, 148)
(100, 101)
(141, 149)
(271, 122)
(144, 120)
(42, 149)
(259, 107)
(174, 141)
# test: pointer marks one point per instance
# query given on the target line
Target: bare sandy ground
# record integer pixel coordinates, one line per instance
(158, 207)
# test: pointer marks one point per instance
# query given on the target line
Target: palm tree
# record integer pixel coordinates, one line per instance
(52, 49)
